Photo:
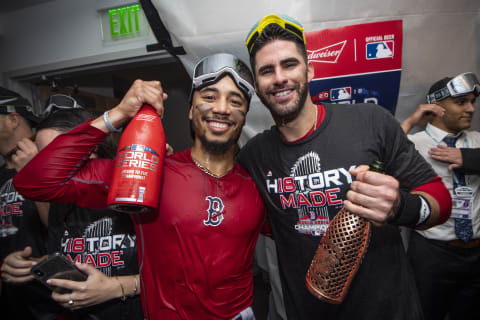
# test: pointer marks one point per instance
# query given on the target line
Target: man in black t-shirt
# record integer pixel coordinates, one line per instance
(304, 167)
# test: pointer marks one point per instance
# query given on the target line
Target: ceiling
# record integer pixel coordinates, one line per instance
(117, 75)
(9, 5)
(109, 74)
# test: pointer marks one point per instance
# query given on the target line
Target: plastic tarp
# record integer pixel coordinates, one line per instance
(440, 38)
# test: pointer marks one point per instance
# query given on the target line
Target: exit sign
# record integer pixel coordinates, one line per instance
(125, 22)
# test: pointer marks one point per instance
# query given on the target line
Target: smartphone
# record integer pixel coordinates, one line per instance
(58, 266)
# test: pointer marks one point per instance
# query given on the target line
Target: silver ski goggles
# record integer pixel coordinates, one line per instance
(460, 85)
(212, 68)
(60, 101)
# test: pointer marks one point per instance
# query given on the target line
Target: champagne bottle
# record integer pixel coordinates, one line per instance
(339, 254)
(137, 175)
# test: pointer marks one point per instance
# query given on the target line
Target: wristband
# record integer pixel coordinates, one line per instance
(408, 210)
(425, 211)
(109, 125)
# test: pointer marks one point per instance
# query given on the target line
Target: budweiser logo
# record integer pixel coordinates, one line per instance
(329, 54)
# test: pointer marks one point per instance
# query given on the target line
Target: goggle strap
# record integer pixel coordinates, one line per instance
(252, 41)
(438, 95)
(52, 105)
(285, 22)
(294, 30)
(297, 32)
(245, 88)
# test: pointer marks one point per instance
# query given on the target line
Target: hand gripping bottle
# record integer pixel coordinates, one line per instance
(137, 175)
(339, 254)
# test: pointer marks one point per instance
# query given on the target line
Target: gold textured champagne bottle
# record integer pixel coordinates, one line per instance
(339, 254)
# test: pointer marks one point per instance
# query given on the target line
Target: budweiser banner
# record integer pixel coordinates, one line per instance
(356, 64)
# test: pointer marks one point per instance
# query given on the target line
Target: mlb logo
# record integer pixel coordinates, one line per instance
(379, 50)
(138, 147)
(341, 93)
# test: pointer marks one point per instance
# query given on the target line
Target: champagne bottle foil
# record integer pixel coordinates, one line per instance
(340, 253)
(338, 257)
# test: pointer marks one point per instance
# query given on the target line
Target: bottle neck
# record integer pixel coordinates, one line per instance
(377, 166)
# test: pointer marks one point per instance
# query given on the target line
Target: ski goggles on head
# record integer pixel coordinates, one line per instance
(283, 21)
(60, 101)
(460, 85)
(212, 68)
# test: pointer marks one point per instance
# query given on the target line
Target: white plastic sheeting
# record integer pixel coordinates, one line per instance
(440, 37)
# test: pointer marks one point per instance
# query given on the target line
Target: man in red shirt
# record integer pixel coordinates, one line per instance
(196, 250)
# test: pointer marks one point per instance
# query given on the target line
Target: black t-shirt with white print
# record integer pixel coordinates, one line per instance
(20, 226)
(104, 239)
(303, 185)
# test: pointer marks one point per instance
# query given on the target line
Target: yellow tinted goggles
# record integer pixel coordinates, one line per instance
(283, 21)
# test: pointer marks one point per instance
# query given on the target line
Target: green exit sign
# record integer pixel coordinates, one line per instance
(124, 23)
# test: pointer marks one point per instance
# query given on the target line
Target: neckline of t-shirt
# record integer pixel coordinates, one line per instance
(320, 127)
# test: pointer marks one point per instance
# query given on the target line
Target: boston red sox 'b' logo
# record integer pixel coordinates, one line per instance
(215, 209)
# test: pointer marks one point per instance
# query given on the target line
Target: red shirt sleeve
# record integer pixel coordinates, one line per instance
(63, 172)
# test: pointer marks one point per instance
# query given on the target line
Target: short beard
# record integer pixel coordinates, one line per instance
(213, 147)
(288, 115)
(217, 148)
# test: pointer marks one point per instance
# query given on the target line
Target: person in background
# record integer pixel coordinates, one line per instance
(467, 159)
(197, 247)
(314, 161)
(112, 290)
(22, 234)
(446, 258)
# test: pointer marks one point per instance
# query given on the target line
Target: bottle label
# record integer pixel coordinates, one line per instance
(136, 162)
(137, 156)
